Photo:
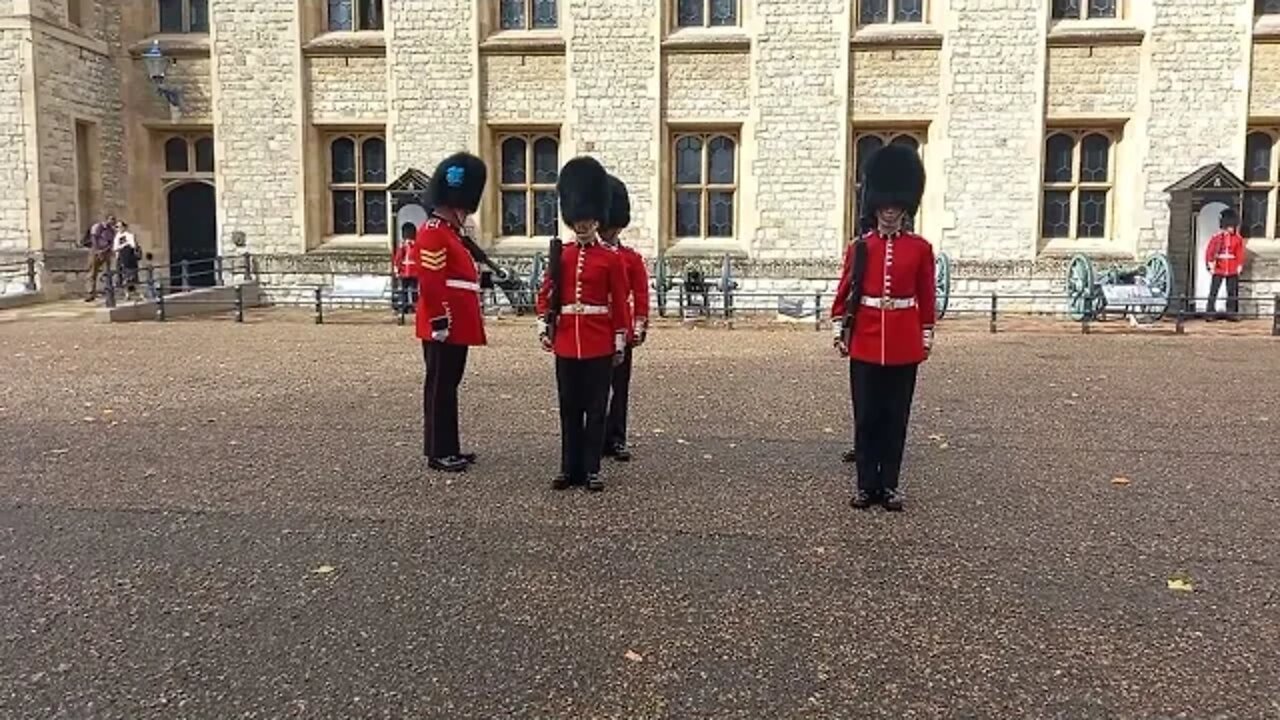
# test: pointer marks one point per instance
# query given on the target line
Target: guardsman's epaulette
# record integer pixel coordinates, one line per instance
(433, 259)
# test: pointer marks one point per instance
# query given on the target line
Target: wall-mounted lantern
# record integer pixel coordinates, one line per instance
(157, 64)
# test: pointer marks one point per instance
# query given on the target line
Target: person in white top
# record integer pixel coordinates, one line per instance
(127, 254)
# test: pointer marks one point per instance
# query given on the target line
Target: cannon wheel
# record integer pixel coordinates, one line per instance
(1080, 288)
(942, 282)
(1160, 279)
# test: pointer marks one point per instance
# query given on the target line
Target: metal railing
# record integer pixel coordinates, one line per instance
(23, 271)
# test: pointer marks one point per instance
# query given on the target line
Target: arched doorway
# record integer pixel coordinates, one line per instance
(193, 233)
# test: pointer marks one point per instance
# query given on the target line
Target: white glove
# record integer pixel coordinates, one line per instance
(544, 336)
(928, 340)
(641, 329)
(619, 348)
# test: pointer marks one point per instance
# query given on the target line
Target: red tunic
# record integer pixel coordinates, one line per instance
(899, 271)
(1225, 253)
(593, 301)
(638, 279)
(402, 261)
(448, 284)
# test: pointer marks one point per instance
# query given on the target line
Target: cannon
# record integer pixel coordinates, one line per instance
(942, 282)
(695, 288)
(1139, 292)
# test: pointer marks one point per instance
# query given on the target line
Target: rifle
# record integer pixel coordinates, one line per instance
(481, 257)
(854, 299)
(554, 252)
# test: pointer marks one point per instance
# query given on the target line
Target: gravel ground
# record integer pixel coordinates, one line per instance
(209, 520)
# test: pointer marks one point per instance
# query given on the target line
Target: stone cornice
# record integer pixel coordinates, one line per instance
(364, 43)
(716, 40)
(1088, 33)
(174, 45)
(524, 42)
(896, 36)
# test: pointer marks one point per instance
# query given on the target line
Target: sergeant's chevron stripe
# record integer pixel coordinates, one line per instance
(433, 259)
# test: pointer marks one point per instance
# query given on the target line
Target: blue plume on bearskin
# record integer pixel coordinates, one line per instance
(894, 177)
(458, 182)
(619, 204)
(583, 188)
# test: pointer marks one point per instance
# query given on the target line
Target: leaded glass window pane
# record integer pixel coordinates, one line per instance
(340, 16)
(370, 14)
(909, 11)
(871, 12)
(171, 16)
(175, 155)
(689, 160)
(544, 212)
(513, 160)
(1253, 219)
(688, 213)
(373, 159)
(724, 13)
(199, 16)
(344, 212)
(1257, 157)
(689, 13)
(1066, 9)
(375, 212)
(1058, 150)
(1268, 7)
(866, 146)
(1102, 8)
(1095, 158)
(720, 214)
(342, 156)
(1057, 214)
(204, 155)
(515, 212)
(546, 161)
(1092, 215)
(544, 14)
(720, 161)
(511, 15)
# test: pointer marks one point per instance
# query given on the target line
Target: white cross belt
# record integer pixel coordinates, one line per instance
(889, 303)
(580, 309)
(463, 285)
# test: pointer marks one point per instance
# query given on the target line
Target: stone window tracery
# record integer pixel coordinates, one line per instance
(1262, 173)
(357, 175)
(527, 15)
(866, 142)
(1079, 172)
(530, 167)
(188, 157)
(879, 12)
(183, 16)
(705, 184)
(353, 15)
(1084, 9)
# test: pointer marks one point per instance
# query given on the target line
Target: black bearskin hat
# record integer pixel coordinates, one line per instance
(584, 191)
(619, 205)
(1229, 218)
(893, 177)
(458, 182)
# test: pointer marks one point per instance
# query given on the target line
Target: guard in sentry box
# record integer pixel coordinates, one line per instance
(1224, 257)
(583, 318)
(884, 316)
(449, 319)
(615, 436)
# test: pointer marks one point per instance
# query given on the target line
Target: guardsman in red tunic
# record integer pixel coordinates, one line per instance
(1225, 259)
(884, 316)
(583, 319)
(404, 267)
(448, 318)
(615, 436)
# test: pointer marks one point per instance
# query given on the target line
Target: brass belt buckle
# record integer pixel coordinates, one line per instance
(577, 308)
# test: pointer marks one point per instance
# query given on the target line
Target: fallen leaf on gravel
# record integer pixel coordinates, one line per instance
(944, 446)
(634, 656)
(1181, 585)
(233, 443)
(1120, 480)
(89, 419)
(658, 431)
(706, 457)
(107, 411)
(1075, 395)
(681, 441)
(828, 430)
(733, 445)
(60, 451)
(323, 570)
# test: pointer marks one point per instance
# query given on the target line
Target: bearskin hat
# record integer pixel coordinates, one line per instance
(1229, 218)
(458, 182)
(893, 177)
(584, 191)
(619, 205)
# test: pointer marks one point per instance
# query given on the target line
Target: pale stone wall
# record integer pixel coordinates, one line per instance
(193, 77)
(1264, 87)
(1199, 59)
(798, 160)
(348, 88)
(1099, 80)
(897, 82)
(613, 106)
(14, 233)
(257, 66)
(523, 88)
(431, 49)
(706, 86)
(993, 80)
(77, 84)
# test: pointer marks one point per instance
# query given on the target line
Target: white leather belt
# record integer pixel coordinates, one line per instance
(1226, 256)
(580, 309)
(463, 285)
(889, 303)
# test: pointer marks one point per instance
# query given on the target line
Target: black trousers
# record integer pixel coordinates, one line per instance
(583, 386)
(1233, 292)
(881, 411)
(408, 295)
(615, 434)
(445, 365)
